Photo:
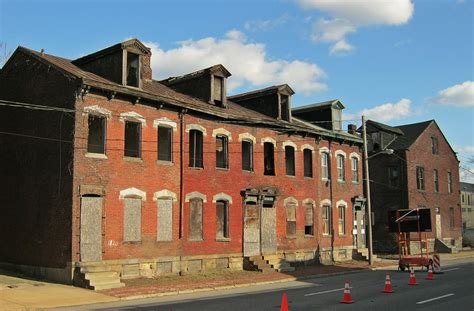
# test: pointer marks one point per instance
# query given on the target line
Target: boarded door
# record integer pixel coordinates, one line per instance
(165, 220)
(91, 229)
(360, 229)
(269, 239)
(438, 226)
(251, 229)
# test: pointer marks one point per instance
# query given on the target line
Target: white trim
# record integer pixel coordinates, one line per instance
(290, 200)
(97, 111)
(222, 196)
(197, 127)
(222, 131)
(309, 200)
(268, 140)
(340, 152)
(165, 193)
(325, 202)
(354, 155)
(307, 146)
(165, 122)
(341, 202)
(247, 136)
(132, 116)
(195, 194)
(324, 150)
(289, 143)
(132, 192)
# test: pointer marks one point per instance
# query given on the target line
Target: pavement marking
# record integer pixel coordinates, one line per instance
(450, 269)
(326, 291)
(433, 299)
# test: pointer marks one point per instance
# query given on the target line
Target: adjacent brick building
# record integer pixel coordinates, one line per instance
(102, 166)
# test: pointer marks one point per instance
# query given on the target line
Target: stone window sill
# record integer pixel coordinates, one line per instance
(196, 240)
(132, 159)
(196, 168)
(341, 181)
(222, 239)
(291, 176)
(355, 182)
(96, 156)
(308, 177)
(225, 169)
(132, 242)
(325, 235)
(248, 172)
(308, 236)
(291, 237)
(162, 162)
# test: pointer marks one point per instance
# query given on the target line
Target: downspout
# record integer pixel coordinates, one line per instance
(181, 170)
(331, 198)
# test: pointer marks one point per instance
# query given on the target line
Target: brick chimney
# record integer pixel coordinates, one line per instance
(352, 129)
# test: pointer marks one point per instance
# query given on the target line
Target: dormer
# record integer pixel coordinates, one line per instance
(380, 136)
(208, 84)
(326, 114)
(274, 101)
(126, 63)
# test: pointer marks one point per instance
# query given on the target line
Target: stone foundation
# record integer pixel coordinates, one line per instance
(312, 256)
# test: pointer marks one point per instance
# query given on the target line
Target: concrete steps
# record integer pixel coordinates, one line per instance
(96, 276)
(268, 263)
(441, 247)
(363, 254)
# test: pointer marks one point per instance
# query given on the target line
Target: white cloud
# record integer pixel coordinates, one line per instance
(466, 174)
(464, 149)
(265, 25)
(248, 62)
(348, 15)
(459, 95)
(385, 112)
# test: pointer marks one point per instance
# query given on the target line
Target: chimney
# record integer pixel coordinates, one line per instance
(352, 129)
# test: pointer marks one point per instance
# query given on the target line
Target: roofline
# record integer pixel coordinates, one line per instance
(261, 92)
(317, 105)
(197, 73)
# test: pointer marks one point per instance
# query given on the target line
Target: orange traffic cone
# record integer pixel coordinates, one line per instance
(284, 303)
(346, 298)
(388, 285)
(412, 278)
(430, 275)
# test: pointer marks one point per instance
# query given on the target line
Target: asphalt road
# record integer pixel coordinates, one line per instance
(454, 289)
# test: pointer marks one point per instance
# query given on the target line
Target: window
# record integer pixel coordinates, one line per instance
(132, 69)
(290, 219)
(308, 219)
(285, 107)
(451, 217)
(327, 228)
(195, 148)
(247, 155)
(290, 160)
(218, 90)
(462, 198)
(222, 217)
(340, 168)
(355, 169)
(468, 200)
(308, 162)
(420, 178)
(325, 165)
(165, 143)
(393, 177)
(268, 159)
(222, 155)
(342, 220)
(195, 219)
(96, 137)
(132, 219)
(434, 145)
(450, 182)
(436, 180)
(133, 139)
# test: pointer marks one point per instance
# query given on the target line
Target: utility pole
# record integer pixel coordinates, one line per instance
(367, 193)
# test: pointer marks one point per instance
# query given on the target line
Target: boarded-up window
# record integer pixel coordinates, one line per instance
(325, 165)
(308, 219)
(96, 137)
(355, 169)
(195, 219)
(132, 139)
(340, 168)
(291, 219)
(165, 143)
(222, 155)
(132, 69)
(132, 220)
(222, 217)
(308, 162)
(327, 219)
(342, 219)
(269, 159)
(290, 160)
(247, 155)
(218, 90)
(195, 148)
(164, 230)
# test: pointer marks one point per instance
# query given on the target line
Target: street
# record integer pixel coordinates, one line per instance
(451, 289)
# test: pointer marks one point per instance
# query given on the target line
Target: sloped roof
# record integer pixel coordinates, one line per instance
(268, 90)
(467, 187)
(315, 106)
(381, 127)
(192, 75)
(411, 133)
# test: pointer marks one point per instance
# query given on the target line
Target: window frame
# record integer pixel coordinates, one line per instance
(327, 221)
(450, 182)
(341, 220)
(420, 178)
(434, 145)
(291, 221)
(170, 144)
(341, 170)
(138, 138)
(308, 163)
(196, 156)
(225, 152)
(201, 229)
(290, 161)
(104, 133)
(250, 154)
(269, 159)
(355, 170)
(127, 68)
(309, 223)
(436, 180)
(225, 227)
(325, 166)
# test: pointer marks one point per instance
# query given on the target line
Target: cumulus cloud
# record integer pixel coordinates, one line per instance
(459, 95)
(247, 61)
(385, 112)
(348, 15)
(265, 25)
(464, 149)
(466, 174)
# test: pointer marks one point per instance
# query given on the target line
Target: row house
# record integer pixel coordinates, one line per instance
(102, 166)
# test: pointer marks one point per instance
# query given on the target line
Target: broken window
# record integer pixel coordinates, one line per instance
(165, 143)
(132, 139)
(247, 155)
(342, 220)
(222, 155)
(308, 219)
(420, 178)
(132, 220)
(269, 159)
(222, 217)
(436, 180)
(327, 219)
(290, 219)
(393, 177)
(340, 168)
(285, 107)
(195, 148)
(450, 182)
(290, 160)
(355, 169)
(133, 69)
(195, 219)
(218, 90)
(434, 145)
(96, 137)
(308, 162)
(325, 165)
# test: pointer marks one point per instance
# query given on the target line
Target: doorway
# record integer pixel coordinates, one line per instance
(91, 228)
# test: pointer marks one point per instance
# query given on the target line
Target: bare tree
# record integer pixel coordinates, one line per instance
(4, 53)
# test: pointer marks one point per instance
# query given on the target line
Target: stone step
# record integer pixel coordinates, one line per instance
(286, 269)
(104, 280)
(93, 275)
(95, 268)
(108, 286)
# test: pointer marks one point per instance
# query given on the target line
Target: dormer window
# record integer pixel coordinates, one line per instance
(133, 69)
(218, 93)
(285, 107)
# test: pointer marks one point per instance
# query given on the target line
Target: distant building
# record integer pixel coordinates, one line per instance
(467, 205)
(422, 172)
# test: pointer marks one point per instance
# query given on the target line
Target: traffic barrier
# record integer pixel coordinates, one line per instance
(436, 264)
(284, 303)
(430, 275)
(388, 285)
(346, 298)
(412, 280)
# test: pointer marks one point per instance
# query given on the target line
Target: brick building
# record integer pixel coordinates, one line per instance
(138, 177)
(422, 172)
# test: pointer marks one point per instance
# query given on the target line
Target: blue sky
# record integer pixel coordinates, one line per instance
(398, 61)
